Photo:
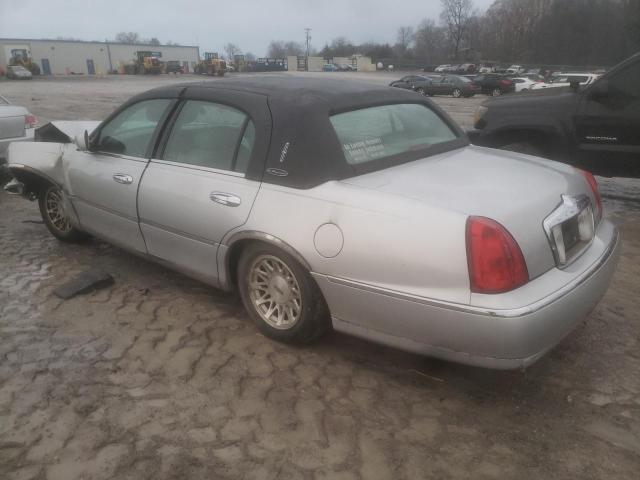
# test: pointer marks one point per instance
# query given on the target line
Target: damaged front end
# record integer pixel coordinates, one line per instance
(35, 165)
(14, 187)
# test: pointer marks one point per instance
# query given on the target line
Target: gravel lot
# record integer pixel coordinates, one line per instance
(161, 377)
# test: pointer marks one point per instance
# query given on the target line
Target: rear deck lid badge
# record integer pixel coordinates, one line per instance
(278, 172)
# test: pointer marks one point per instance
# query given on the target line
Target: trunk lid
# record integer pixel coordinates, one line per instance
(12, 120)
(518, 191)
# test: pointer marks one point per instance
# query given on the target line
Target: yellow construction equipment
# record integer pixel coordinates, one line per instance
(19, 56)
(149, 63)
(211, 65)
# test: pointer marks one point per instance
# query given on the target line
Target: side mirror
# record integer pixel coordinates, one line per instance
(82, 141)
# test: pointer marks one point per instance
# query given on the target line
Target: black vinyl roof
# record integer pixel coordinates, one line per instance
(304, 150)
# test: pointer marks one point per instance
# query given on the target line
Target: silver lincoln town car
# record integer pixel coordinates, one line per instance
(331, 204)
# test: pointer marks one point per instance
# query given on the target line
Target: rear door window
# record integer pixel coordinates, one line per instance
(211, 135)
(375, 133)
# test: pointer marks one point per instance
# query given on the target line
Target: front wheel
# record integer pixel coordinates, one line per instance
(420, 91)
(55, 216)
(457, 93)
(496, 92)
(280, 295)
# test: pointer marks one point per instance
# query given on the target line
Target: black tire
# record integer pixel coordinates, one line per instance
(420, 90)
(313, 318)
(496, 92)
(524, 147)
(457, 93)
(68, 233)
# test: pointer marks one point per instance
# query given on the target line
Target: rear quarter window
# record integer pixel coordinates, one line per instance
(376, 133)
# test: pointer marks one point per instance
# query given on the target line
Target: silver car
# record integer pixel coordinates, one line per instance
(18, 72)
(332, 204)
(16, 125)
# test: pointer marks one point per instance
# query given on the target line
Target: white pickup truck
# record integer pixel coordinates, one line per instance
(566, 79)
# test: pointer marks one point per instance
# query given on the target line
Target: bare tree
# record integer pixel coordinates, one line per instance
(128, 37)
(430, 41)
(456, 15)
(404, 39)
(153, 41)
(280, 49)
(231, 49)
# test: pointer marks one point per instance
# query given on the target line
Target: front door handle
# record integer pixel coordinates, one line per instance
(123, 178)
(225, 199)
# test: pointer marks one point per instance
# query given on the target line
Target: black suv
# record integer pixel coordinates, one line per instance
(596, 127)
(494, 84)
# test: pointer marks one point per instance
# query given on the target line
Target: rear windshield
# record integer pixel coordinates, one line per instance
(376, 133)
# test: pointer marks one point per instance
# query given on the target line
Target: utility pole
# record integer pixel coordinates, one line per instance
(308, 37)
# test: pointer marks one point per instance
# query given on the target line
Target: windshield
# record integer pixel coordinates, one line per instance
(375, 133)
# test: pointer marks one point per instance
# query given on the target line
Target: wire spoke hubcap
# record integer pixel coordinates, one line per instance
(54, 206)
(274, 292)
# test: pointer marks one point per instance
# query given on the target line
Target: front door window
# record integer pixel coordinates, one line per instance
(131, 131)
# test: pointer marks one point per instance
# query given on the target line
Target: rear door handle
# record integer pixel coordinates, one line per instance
(225, 199)
(123, 178)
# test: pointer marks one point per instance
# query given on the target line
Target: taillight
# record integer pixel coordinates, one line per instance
(30, 121)
(593, 184)
(496, 263)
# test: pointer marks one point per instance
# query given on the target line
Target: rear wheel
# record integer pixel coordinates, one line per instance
(55, 217)
(280, 296)
(496, 92)
(457, 93)
(420, 91)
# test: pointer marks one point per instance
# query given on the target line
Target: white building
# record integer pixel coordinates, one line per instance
(66, 57)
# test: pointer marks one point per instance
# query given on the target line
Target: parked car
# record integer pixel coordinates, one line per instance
(337, 204)
(173, 66)
(494, 84)
(455, 85)
(417, 83)
(16, 125)
(466, 68)
(442, 68)
(566, 79)
(523, 84)
(330, 67)
(18, 72)
(596, 127)
(345, 67)
(515, 69)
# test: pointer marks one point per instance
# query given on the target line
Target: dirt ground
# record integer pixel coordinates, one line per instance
(160, 377)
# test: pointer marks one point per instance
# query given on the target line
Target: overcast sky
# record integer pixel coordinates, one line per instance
(251, 24)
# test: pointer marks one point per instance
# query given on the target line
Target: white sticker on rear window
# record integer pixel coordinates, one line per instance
(367, 149)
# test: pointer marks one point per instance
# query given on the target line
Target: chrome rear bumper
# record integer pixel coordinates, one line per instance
(500, 338)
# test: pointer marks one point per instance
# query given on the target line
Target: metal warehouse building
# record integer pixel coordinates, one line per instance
(65, 57)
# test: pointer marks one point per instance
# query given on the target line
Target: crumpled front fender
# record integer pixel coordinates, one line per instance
(27, 160)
